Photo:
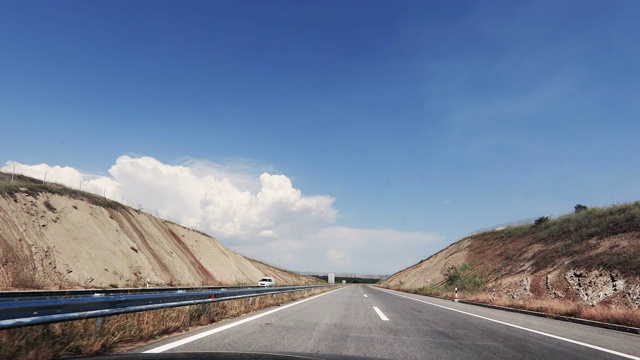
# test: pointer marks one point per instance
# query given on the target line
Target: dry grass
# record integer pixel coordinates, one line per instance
(611, 314)
(84, 338)
(621, 315)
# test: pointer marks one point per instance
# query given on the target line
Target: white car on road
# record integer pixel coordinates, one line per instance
(267, 281)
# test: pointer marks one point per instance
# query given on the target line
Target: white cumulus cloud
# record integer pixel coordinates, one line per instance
(259, 214)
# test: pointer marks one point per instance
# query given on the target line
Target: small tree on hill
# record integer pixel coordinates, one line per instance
(579, 208)
(541, 220)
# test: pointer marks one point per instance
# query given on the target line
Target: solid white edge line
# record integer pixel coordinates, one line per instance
(384, 318)
(522, 328)
(189, 339)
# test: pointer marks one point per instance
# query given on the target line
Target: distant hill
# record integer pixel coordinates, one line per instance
(591, 256)
(55, 237)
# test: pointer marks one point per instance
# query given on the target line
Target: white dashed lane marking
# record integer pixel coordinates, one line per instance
(384, 318)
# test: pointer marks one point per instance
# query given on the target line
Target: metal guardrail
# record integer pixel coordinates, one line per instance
(54, 294)
(18, 309)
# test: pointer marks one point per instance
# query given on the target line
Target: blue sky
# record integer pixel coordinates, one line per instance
(420, 117)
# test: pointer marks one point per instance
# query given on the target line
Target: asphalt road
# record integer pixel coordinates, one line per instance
(371, 322)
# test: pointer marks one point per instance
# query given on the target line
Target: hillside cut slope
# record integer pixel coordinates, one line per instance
(591, 256)
(55, 237)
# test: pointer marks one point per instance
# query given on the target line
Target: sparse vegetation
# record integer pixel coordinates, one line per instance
(541, 220)
(463, 278)
(581, 225)
(33, 187)
(577, 233)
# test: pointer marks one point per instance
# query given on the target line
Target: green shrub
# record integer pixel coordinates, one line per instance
(463, 278)
(578, 208)
(541, 220)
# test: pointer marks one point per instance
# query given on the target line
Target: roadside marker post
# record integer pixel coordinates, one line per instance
(98, 324)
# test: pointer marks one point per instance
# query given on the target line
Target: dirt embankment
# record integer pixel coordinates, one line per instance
(51, 241)
(588, 258)
(285, 277)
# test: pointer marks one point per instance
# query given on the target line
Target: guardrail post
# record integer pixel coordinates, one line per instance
(98, 324)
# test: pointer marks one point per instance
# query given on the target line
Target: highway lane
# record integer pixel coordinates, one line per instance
(370, 322)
